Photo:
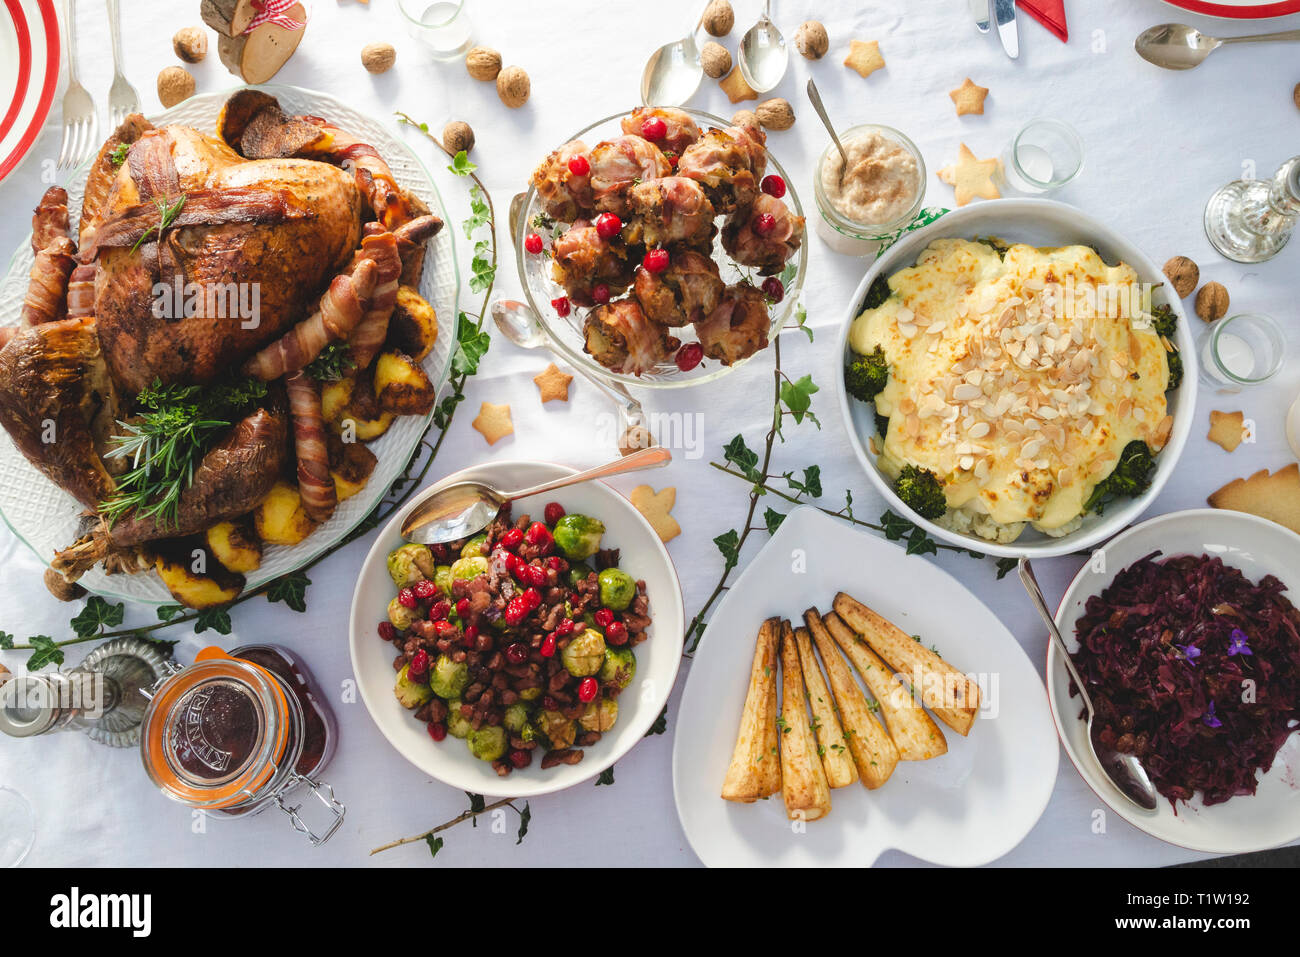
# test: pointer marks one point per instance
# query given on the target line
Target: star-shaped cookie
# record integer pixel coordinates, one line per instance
(970, 177)
(864, 57)
(553, 383)
(493, 421)
(655, 506)
(969, 97)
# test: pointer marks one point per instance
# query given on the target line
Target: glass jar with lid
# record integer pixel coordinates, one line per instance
(865, 203)
(234, 734)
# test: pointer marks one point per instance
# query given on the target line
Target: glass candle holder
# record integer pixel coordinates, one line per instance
(17, 827)
(1043, 157)
(1241, 350)
(441, 25)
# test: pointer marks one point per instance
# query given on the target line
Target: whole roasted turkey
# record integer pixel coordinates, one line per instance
(199, 261)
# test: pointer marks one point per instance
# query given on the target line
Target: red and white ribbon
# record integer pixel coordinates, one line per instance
(277, 12)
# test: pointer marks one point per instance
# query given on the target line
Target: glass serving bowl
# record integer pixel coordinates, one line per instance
(565, 333)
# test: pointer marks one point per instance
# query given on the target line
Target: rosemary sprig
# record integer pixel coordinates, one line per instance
(167, 214)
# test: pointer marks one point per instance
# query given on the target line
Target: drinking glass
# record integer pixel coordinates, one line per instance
(441, 25)
(17, 827)
(1044, 156)
(1241, 350)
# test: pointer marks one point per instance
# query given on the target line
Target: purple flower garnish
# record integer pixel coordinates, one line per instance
(1209, 718)
(1237, 643)
(1190, 652)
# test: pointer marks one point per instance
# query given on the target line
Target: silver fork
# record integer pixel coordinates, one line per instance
(80, 121)
(122, 98)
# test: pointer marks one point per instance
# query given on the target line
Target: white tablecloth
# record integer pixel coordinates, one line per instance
(1157, 144)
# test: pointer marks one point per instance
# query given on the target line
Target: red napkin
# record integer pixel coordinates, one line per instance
(1050, 13)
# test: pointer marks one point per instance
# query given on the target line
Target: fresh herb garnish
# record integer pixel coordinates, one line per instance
(333, 363)
(167, 214)
(118, 156)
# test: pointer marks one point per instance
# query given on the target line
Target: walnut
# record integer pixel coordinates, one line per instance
(378, 57)
(719, 18)
(1212, 302)
(746, 118)
(457, 136)
(775, 114)
(812, 41)
(715, 59)
(483, 63)
(174, 84)
(1183, 274)
(513, 87)
(190, 44)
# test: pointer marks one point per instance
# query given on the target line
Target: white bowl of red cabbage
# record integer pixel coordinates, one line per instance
(1185, 631)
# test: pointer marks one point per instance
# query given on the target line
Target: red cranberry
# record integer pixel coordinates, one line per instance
(462, 608)
(773, 289)
(600, 293)
(689, 356)
(654, 129)
(550, 704)
(533, 243)
(608, 225)
(418, 669)
(561, 306)
(387, 630)
(406, 598)
(516, 610)
(536, 575)
(521, 758)
(445, 629)
(553, 513)
(588, 688)
(424, 589)
(603, 617)
(532, 598)
(517, 653)
(579, 165)
(470, 634)
(440, 610)
(512, 538)
(515, 565)
(437, 730)
(616, 633)
(565, 627)
(557, 564)
(773, 185)
(764, 223)
(656, 260)
(548, 646)
(538, 534)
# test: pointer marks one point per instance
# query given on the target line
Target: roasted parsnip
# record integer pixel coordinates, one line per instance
(873, 751)
(953, 697)
(755, 769)
(834, 750)
(803, 779)
(914, 732)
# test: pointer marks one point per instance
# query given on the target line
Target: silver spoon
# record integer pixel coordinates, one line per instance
(1176, 46)
(820, 107)
(673, 72)
(466, 508)
(1124, 770)
(763, 55)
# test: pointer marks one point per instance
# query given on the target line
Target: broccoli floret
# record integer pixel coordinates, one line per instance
(1175, 370)
(865, 376)
(921, 491)
(882, 425)
(877, 294)
(1132, 477)
(1164, 320)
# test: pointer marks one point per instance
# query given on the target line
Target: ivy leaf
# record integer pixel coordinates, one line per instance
(97, 615)
(168, 612)
(743, 458)
(472, 345)
(6, 641)
(218, 619)
(435, 844)
(661, 723)
(606, 776)
(811, 484)
(44, 652)
(525, 816)
(772, 519)
(797, 397)
(848, 502)
(801, 321)
(290, 589)
(1006, 566)
(729, 544)
(895, 526)
(476, 803)
(461, 165)
(919, 543)
(788, 273)
(164, 645)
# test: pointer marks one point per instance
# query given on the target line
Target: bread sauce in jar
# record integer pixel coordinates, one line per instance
(878, 193)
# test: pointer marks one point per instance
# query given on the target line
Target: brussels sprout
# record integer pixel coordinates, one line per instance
(469, 568)
(448, 678)
(619, 668)
(457, 726)
(556, 728)
(474, 547)
(578, 573)
(585, 654)
(488, 743)
(578, 536)
(617, 588)
(530, 694)
(516, 717)
(600, 715)
(401, 616)
(410, 563)
(410, 694)
(442, 578)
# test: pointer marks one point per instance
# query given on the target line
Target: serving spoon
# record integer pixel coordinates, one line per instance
(673, 72)
(1176, 46)
(466, 508)
(1124, 770)
(763, 56)
(814, 95)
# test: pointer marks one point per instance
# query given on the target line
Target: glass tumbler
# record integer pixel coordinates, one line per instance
(441, 25)
(1044, 156)
(1241, 350)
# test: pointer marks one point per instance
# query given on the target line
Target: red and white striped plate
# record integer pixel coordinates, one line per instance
(29, 73)
(1239, 9)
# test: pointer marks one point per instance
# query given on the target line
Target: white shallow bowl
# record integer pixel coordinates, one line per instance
(1038, 222)
(966, 808)
(642, 556)
(1270, 817)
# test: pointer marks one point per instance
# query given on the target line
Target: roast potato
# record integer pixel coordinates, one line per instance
(413, 326)
(402, 386)
(280, 519)
(235, 545)
(350, 465)
(194, 576)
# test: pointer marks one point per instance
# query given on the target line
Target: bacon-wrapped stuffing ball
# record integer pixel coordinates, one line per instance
(622, 339)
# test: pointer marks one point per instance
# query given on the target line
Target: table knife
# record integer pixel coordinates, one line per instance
(980, 10)
(1004, 11)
